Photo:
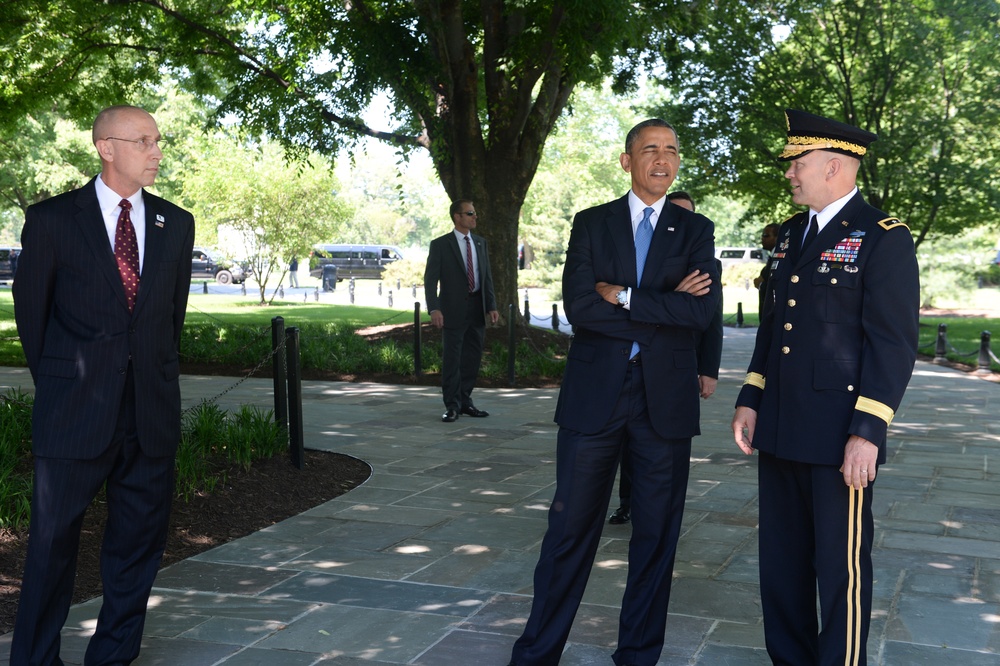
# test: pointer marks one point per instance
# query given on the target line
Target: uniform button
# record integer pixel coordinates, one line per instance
(833, 281)
(788, 326)
(791, 302)
(795, 279)
(785, 350)
(850, 387)
(121, 371)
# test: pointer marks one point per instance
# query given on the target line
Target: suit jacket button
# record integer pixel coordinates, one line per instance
(788, 326)
(785, 350)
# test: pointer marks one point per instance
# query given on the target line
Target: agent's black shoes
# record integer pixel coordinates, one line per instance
(620, 516)
(450, 416)
(469, 410)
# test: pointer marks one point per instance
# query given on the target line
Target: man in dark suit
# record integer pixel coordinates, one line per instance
(833, 356)
(100, 296)
(768, 239)
(631, 380)
(709, 360)
(459, 263)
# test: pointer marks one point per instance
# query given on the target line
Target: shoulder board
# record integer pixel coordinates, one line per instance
(891, 223)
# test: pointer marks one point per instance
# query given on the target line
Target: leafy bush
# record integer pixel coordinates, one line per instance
(15, 458)
(407, 273)
(740, 275)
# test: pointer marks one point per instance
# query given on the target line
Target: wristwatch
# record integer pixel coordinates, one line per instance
(622, 297)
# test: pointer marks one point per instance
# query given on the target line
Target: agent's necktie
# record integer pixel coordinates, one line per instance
(810, 232)
(127, 253)
(468, 265)
(643, 235)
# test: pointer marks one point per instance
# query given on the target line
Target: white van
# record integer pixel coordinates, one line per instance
(739, 255)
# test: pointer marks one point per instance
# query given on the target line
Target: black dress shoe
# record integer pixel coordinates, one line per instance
(450, 416)
(472, 411)
(621, 516)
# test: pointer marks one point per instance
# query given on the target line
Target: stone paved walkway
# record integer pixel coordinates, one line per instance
(430, 561)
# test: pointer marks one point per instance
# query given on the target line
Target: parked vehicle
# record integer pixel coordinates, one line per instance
(8, 262)
(353, 261)
(206, 264)
(738, 255)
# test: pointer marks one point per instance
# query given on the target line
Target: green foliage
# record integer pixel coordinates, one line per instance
(921, 74)
(407, 272)
(15, 459)
(741, 275)
(277, 211)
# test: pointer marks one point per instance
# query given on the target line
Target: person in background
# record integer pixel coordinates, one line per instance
(293, 273)
(768, 239)
(630, 380)
(458, 288)
(709, 360)
(100, 296)
(832, 359)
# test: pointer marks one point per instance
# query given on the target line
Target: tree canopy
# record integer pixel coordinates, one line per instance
(922, 74)
(480, 85)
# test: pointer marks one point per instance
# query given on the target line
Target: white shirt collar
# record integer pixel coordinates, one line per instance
(831, 210)
(636, 208)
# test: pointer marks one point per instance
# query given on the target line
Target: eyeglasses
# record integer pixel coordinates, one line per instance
(472, 214)
(144, 143)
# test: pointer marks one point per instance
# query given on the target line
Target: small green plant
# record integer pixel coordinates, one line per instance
(15, 458)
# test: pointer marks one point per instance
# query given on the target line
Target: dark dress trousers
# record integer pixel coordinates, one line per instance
(446, 288)
(833, 356)
(607, 402)
(107, 408)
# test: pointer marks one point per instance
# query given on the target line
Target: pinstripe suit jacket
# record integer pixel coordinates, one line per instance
(79, 336)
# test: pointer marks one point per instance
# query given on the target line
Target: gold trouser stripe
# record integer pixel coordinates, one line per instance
(754, 379)
(854, 525)
(875, 408)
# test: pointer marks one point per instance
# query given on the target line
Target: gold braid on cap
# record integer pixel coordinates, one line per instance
(800, 144)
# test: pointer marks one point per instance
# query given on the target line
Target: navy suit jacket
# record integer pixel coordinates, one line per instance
(446, 267)
(78, 335)
(665, 323)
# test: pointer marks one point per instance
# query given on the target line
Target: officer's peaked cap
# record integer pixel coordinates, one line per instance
(808, 132)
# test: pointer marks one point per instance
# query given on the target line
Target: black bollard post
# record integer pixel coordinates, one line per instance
(295, 443)
(278, 372)
(390, 298)
(281, 291)
(418, 366)
(305, 296)
(243, 288)
(379, 288)
(350, 290)
(941, 346)
(204, 287)
(399, 284)
(984, 354)
(414, 290)
(527, 312)
(555, 316)
(511, 345)
(739, 315)
(316, 294)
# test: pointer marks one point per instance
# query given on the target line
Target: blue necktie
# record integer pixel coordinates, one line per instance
(643, 235)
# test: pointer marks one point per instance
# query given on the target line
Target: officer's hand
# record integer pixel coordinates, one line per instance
(696, 283)
(860, 461)
(707, 386)
(437, 318)
(608, 292)
(745, 419)
(494, 316)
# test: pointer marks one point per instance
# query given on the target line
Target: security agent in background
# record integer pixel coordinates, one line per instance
(768, 239)
(833, 356)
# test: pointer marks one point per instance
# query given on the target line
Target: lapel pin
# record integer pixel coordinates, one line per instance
(670, 228)
(159, 220)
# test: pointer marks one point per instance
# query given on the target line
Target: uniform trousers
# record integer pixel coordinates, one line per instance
(814, 530)
(586, 465)
(462, 352)
(139, 492)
